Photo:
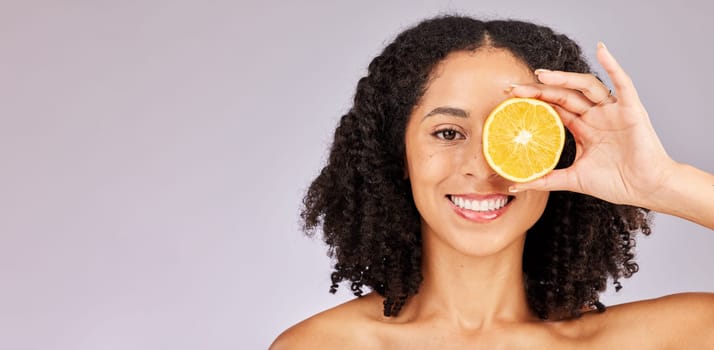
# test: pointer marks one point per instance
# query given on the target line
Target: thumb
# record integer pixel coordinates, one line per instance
(556, 180)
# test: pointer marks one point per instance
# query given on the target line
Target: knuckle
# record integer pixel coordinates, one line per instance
(562, 99)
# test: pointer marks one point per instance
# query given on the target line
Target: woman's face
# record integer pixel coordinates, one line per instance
(445, 162)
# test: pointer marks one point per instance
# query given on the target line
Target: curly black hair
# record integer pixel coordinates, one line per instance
(364, 205)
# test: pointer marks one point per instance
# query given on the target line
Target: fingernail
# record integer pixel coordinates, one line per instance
(512, 189)
(541, 70)
(601, 45)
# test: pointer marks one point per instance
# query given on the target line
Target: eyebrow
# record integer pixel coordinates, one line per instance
(452, 111)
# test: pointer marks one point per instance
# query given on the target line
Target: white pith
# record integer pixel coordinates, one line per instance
(479, 205)
(523, 137)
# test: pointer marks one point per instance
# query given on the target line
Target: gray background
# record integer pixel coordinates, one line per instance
(153, 156)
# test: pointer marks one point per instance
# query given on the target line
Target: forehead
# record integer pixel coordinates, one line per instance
(480, 76)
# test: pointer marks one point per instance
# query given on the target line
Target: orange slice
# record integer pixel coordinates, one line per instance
(523, 139)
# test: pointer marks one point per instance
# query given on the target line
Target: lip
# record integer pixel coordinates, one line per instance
(481, 197)
(477, 216)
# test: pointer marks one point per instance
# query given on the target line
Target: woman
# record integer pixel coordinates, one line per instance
(527, 273)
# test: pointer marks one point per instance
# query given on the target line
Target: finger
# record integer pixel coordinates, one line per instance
(556, 180)
(620, 79)
(570, 118)
(586, 83)
(571, 121)
(570, 99)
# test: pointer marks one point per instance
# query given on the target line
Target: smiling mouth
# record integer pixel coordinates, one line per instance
(490, 204)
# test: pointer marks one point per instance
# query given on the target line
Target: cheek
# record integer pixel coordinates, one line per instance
(432, 173)
(432, 165)
(536, 204)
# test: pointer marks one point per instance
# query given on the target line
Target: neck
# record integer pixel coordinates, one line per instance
(471, 292)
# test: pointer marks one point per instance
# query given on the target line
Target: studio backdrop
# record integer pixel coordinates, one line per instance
(154, 154)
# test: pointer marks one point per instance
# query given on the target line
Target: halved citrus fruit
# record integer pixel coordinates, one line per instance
(523, 139)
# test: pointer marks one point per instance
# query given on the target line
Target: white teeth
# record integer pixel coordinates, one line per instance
(484, 205)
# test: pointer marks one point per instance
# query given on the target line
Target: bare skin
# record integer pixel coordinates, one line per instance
(472, 296)
(682, 321)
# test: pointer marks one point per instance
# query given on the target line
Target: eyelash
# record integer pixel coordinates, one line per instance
(440, 134)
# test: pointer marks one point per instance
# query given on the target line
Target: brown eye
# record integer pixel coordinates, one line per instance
(447, 134)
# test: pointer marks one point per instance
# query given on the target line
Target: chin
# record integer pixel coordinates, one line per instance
(488, 243)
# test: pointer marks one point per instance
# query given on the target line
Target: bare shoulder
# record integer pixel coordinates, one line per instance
(668, 309)
(348, 323)
(675, 321)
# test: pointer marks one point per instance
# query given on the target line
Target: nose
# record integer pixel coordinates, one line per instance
(474, 163)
